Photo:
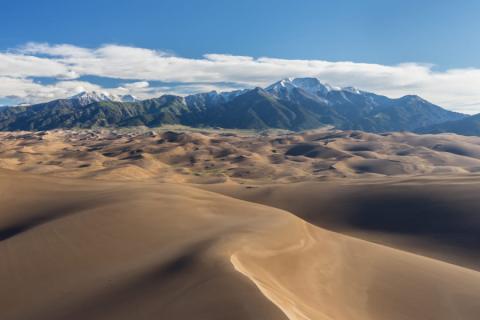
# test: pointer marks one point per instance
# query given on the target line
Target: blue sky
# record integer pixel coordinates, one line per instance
(437, 37)
(444, 33)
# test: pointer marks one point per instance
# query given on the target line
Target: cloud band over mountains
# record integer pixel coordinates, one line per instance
(37, 72)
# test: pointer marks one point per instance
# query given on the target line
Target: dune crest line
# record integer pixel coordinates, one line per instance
(290, 310)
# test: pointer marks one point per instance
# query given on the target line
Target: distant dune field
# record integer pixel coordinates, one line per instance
(217, 156)
(136, 224)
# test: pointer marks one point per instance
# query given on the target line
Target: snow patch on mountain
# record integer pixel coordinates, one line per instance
(85, 98)
(212, 97)
(310, 85)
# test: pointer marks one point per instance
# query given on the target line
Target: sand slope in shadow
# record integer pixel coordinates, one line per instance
(436, 217)
(110, 250)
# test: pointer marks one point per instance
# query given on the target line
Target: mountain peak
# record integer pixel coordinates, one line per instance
(87, 97)
(309, 84)
(412, 98)
(280, 85)
(354, 90)
(96, 95)
(128, 98)
(313, 85)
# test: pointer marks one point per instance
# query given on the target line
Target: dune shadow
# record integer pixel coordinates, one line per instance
(424, 214)
(46, 215)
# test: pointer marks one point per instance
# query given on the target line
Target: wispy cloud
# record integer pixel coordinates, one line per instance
(456, 89)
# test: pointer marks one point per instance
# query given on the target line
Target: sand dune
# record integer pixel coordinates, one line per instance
(214, 156)
(344, 278)
(86, 250)
(79, 249)
(431, 216)
(210, 226)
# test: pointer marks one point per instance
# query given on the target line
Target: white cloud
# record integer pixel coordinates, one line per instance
(137, 85)
(19, 65)
(61, 50)
(455, 89)
(29, 91)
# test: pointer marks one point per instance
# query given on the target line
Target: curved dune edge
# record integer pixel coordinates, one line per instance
(87, 249)
(310, 273)
(428, 216)
(290, 311)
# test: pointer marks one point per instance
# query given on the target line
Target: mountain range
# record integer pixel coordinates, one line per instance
(292, 104)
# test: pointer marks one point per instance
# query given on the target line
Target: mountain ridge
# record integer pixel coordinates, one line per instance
(292, 104)
(469, 126)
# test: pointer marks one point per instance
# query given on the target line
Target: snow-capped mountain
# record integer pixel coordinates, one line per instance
(294, 104)
(128, 98)
(310, 85)
(212, 98)
(313, 85)
(85, 98)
